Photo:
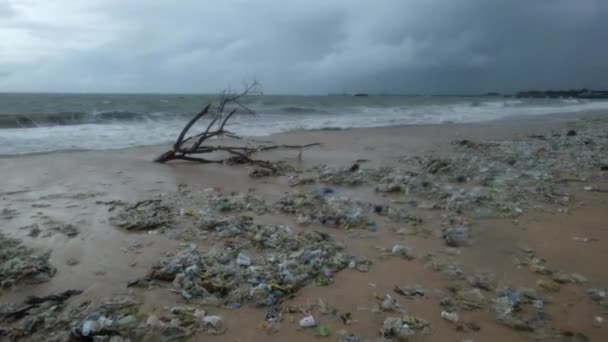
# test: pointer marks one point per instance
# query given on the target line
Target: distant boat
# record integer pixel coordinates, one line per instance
(361, 95)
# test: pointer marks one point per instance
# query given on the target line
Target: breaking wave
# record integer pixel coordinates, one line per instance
(77, 118)
(299, 109)
(157, 120)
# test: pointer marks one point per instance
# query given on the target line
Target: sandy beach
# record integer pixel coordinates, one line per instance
(551, 242)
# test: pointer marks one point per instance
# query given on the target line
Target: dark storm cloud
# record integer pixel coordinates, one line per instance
(411, 46)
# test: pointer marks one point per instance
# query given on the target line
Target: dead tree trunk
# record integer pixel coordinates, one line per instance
(190, 148)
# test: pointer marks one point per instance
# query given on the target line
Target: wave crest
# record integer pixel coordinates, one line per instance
(77, 118)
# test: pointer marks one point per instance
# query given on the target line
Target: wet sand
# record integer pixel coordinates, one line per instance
(66, 187)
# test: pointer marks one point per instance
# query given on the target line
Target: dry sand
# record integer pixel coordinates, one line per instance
(66, 186)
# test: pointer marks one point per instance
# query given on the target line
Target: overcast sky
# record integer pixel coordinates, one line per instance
(308, 46)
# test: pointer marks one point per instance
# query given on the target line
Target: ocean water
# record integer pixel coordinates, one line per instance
(35, 123)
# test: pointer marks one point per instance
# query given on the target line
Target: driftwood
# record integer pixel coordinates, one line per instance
(55, 297)
(33, 302)
(190, 148)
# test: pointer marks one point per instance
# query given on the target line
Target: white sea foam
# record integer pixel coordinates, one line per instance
(157, 129)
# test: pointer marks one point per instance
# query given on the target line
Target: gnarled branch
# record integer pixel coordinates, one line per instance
(185, 147)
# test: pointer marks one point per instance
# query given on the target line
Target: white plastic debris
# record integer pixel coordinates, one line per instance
(450, 316)
(598, 321)
(389, 304)
(403, 251)
(214, 321)
(89, 327)
(307, 322)
(243, 260)
(580, 239)
(153, 322)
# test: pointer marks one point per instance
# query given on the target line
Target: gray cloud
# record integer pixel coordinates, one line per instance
(6, 11)
(411, 46)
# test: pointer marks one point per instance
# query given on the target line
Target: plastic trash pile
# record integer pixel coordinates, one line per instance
(164, 211)
(20, 264)
(234, 201)
(144, 215)
(496, 178)
(520, 309)
(403, 328)
(312, 207)
(231, 277)
(118, 319)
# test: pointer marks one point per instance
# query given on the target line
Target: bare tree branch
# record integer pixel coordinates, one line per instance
(185, 147)
(191, 123)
